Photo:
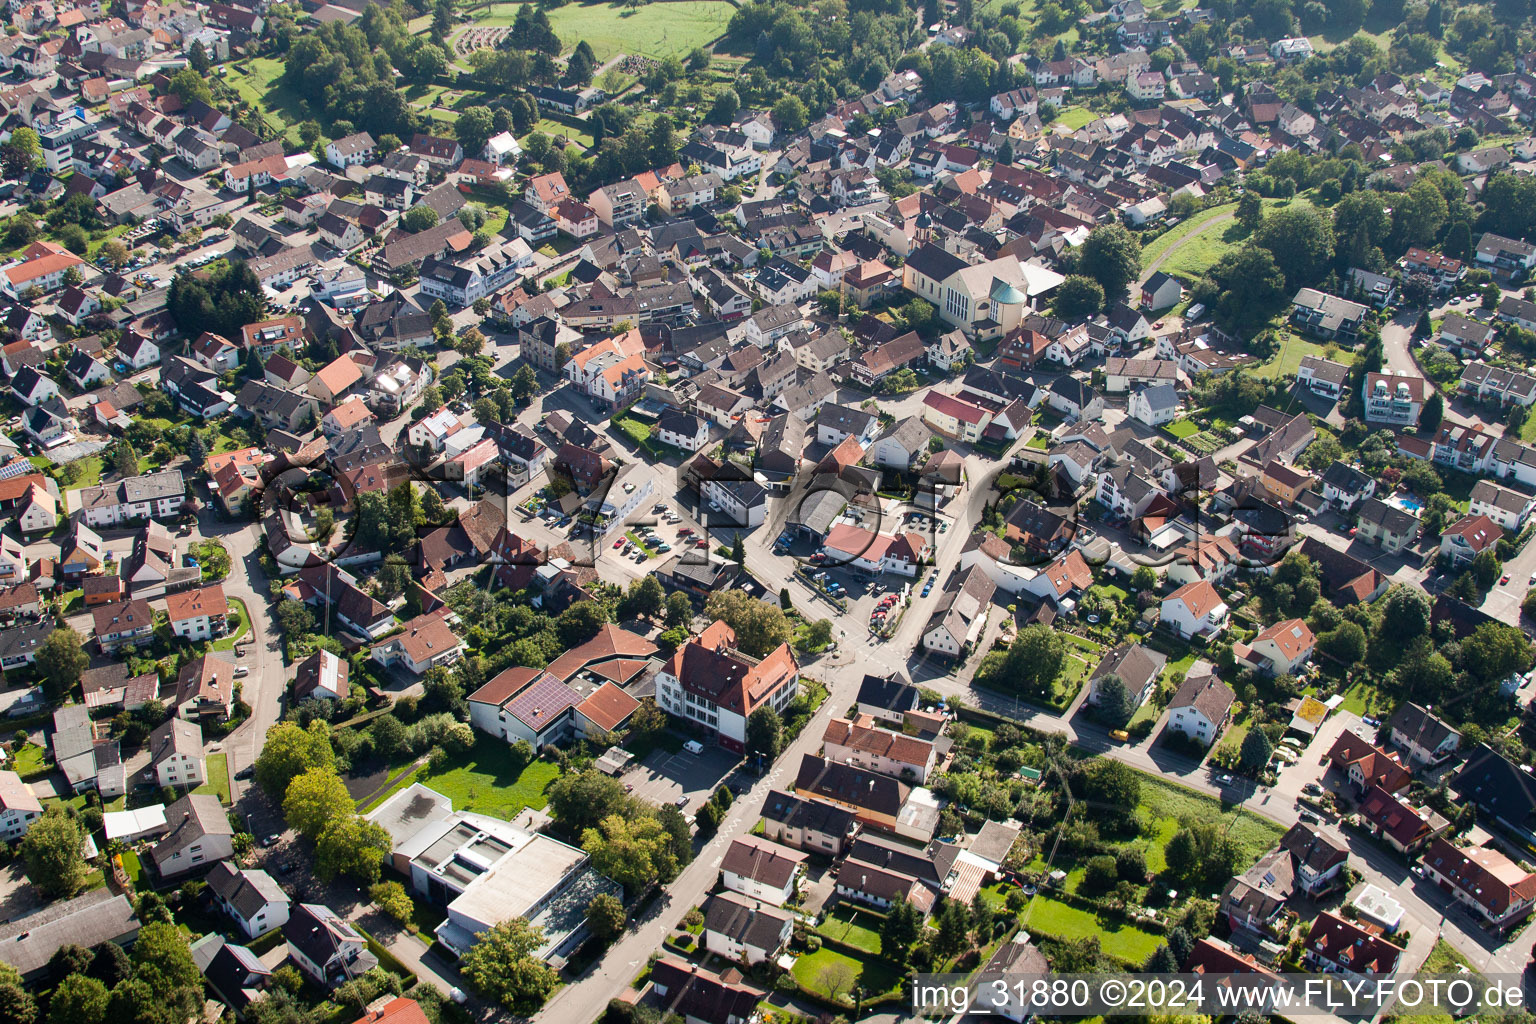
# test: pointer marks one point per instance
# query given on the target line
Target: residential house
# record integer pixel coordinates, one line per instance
(1366, 765)
(1427, 738)
(1195, 609)
(1496, 889)
(198, 834)
(745, 930)
(176, 754)
(326, 948)
(762, 870)
(1469, 537)
(425, 641)
(813, 826)
(712, 684)
(1387, 526)
(198, 614)
(250, 896)
(1201, 706)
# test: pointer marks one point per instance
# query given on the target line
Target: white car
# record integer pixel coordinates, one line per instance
(241, 671)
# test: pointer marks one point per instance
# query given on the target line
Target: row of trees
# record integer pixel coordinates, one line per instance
(298, 767)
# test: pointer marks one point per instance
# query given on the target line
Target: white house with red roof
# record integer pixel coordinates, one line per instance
(525, 704)
(1279, 650)
(198, 614)
(1469, 537)
(349, 415)
(875, 553)
(42, 266)
(433, 430)
(424, 642)
(712, 684)
(215, 351)
(1195, 609)
(955, 417)
(612, 370)
(335, 379)
(474, 462)
(1492, 886)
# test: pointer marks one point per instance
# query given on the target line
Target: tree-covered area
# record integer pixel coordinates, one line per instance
(347, 72)
(221, 299)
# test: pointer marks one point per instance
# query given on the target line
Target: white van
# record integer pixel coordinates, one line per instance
(694, 747)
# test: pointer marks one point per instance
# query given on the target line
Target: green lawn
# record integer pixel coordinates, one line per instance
(1152, 250)
(816, 970)
(1214, 241)
(243, 626)
(1045, 916)
(1075, 117)
(131, 866)
(1074, 670)
(1287, 361)
(1181, 429)
(218, 778)
(1444, 959)
(484, 779)
(654, 30)
(572, 129)
(856, 928)
(1362, 699)
(256, 82)
(30, 761)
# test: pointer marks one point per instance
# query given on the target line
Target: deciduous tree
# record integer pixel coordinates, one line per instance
(351, 846)
(290, 751)
(502, 966)
(765, 732)
(605, 915)
(60, 661)
(632, 851)
(1111, 255)
(759, 626)
(314, 800)
(78, 999)
(52, 851)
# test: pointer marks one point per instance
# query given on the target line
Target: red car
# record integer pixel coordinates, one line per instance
(701, 543)
(685, 531)
(618, 543)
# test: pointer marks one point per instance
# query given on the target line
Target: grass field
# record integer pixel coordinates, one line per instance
(255, 80)
(29, 762)
(816, 970)
(484, 779)
(1075, 117)
(131, 866)
(1207, 242)
(1362, 699)
(1152, 250)
(1287, 361)
(1164, 805)
(572, 129)
(218, 778)
(655, 30)
(853, 927)
(1045, 916)
(1181, 429)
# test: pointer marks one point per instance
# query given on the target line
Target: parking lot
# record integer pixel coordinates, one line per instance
(664, 777)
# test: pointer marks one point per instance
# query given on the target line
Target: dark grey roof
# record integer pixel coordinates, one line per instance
(814, 815)
(745, 920)
(27, 943)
